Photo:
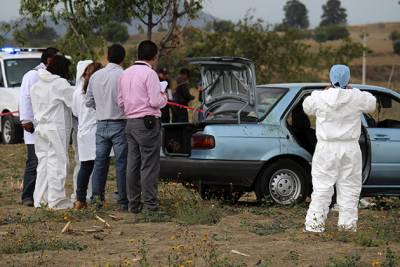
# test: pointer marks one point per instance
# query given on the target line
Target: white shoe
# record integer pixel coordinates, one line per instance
(313, 230)
(62, 204)
(335, 208)
(365, 204)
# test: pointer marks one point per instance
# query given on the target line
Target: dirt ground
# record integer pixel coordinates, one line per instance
(189, 232)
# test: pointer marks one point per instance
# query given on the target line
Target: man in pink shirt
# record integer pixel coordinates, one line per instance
(140, 96)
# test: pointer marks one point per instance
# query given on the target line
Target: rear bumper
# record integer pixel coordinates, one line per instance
(216, 172)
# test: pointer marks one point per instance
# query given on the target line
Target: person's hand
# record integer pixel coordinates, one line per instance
(28, 126)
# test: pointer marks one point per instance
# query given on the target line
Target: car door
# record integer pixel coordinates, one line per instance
(384, 133)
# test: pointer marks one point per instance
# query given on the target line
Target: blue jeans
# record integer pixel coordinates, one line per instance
(110, 134)
(30, 173)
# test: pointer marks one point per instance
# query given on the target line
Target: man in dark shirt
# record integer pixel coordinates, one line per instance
(182, 96)
(163, 76)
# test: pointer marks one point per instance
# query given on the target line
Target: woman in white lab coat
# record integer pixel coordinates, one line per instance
(86, 136)
(51, 99)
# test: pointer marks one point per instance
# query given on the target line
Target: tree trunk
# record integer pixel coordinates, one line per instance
(149, 24)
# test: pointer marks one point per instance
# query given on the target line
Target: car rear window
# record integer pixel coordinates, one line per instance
(266, 99)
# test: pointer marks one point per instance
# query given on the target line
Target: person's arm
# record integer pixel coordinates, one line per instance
(66, 93)
(157, 99)
(120, 98)
(309, 105)
(366, 102)
(75, 103)
(89, 100)
(25, 104)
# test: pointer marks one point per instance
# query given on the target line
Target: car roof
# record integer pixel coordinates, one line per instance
(5, 55)
(301, 86)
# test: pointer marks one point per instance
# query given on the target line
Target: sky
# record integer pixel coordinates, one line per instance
(271, 11)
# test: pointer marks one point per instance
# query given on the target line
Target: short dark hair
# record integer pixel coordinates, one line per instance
(49, 52)
(116, 54)
(185, 71)
(59, 65)
(162, 70)
(147, 50)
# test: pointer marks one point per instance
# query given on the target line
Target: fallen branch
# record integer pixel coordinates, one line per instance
(66, 227)
(103, 221)
(239, 253)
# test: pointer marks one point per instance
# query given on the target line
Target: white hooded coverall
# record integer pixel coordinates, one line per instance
(51, 100)
(337, 158)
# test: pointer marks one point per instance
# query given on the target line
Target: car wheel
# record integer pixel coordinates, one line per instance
(11, 131)
(285, 181)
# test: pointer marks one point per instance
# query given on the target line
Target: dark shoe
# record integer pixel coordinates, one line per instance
(27, 202)
(115, 196)
(136, 210)
(123, 208)
(80, 205)
(97, 202)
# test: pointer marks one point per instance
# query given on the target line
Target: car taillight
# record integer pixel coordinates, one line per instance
(203, 141)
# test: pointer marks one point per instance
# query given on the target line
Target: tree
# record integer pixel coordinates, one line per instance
(115, 32)
(296, 15)
(330, 33)
(278, 56)
(154, 12)
(35, 36)
(333, 13)
(84, 19)
(222, 26)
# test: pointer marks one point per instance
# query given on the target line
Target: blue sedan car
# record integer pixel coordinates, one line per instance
(258, 138)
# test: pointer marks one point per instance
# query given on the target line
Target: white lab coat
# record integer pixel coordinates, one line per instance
(337, 159)
(86, 127)
(80, 69)
(51, 100)
(25, 105)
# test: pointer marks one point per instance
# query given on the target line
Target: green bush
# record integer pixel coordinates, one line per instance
(330, 33)
(394, 36)
(396, 46)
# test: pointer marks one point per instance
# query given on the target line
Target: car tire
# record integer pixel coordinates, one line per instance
(284, 181)
(11, 131)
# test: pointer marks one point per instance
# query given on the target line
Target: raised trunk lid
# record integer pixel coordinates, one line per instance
(227, 78)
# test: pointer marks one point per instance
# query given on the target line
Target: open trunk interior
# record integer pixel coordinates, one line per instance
(176, 138)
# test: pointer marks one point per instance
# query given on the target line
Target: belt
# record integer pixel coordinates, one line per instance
(119, 120)
(142, 118)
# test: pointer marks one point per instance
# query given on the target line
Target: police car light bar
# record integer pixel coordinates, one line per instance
(10, 50)
(14, 50)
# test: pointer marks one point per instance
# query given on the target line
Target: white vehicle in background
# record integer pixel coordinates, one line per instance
(14, 63)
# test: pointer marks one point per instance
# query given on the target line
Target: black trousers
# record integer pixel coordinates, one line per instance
(30, 173)
(83, 179)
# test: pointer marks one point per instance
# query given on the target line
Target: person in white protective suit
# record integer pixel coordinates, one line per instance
(51, 100)
(79, 81)
(337, 159)
(87, 126)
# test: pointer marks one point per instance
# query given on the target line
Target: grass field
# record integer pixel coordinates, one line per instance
(192, 232)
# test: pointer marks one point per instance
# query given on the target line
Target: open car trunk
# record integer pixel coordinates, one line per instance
(229, 86)
(177, 138)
